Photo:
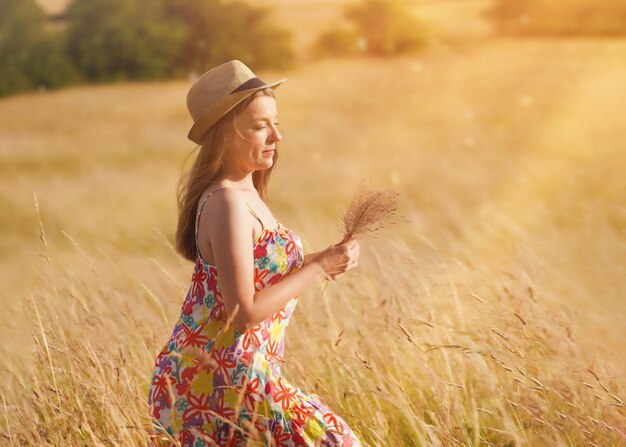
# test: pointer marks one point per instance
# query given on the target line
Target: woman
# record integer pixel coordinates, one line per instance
(217, 381)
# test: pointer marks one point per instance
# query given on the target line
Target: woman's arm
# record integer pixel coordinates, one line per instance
(309, 257)
(271, 298)
(230, 229)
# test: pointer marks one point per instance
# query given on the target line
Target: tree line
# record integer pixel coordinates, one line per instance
(115, 40)
(112, 40)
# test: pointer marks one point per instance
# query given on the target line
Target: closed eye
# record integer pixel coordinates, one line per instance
(263, 127)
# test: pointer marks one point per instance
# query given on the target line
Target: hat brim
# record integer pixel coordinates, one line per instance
(220, 108)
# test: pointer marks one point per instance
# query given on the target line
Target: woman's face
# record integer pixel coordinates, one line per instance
(251, 145)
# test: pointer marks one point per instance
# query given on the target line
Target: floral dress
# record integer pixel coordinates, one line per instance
(212, 385)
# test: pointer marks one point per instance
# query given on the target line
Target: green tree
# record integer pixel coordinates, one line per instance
(30, 57)
(377, 27)
(122, 39)
(21, 29)
(217, 32)
(50, 66)
(337, 42)
(387, 26)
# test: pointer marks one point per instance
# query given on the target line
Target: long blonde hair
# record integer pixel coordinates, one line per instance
(207, 168)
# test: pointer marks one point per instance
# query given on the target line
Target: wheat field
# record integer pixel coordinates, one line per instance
(493, 314)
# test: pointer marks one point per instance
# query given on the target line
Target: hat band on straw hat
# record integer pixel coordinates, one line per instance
(250, 83)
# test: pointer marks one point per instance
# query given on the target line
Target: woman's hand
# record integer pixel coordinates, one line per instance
(339, 258)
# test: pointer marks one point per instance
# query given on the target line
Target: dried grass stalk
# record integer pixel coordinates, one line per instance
(367, 213)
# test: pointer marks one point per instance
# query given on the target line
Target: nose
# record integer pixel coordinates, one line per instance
(276, 136)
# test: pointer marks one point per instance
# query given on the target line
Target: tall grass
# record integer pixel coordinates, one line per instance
(459, 357)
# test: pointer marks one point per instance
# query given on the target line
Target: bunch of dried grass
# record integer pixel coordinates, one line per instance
(368, 212)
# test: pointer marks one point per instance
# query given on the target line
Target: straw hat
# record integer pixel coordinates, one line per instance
(217, 91)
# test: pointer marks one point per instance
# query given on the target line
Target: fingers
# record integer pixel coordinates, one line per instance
(351, 248)
(349, 264)
(342, 256)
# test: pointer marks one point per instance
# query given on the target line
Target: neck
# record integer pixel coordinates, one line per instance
(241, 181)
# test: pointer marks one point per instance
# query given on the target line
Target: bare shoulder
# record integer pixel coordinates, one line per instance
(227, 199)
(226, 213)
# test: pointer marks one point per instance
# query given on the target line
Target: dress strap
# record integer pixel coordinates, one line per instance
(198, 219)
(254, 214)
(200, 213)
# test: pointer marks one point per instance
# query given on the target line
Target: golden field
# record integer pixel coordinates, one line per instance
(492, 315)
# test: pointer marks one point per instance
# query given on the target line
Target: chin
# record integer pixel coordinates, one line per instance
(263, 167)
